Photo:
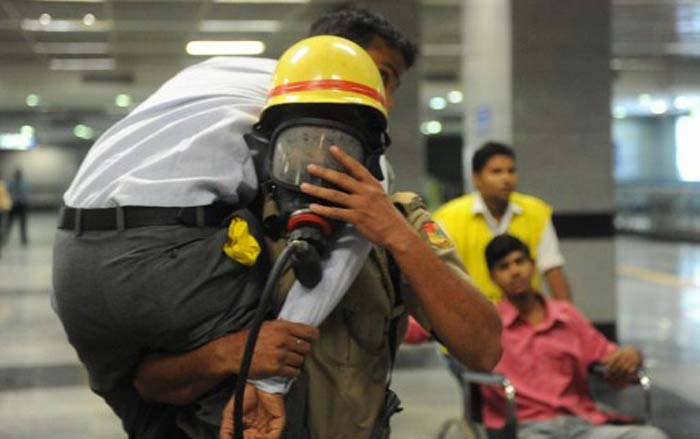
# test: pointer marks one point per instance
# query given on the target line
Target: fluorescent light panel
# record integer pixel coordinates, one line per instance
(72, 48)
(211, 48)
(262, 1)
(82, 64)
(240, 26)
(32, 25)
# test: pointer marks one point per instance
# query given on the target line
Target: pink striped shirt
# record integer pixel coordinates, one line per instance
(547, 364)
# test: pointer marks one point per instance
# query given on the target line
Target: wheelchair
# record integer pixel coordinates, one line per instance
(471, 426)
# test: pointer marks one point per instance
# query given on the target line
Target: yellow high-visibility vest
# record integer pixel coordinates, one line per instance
(471, 234)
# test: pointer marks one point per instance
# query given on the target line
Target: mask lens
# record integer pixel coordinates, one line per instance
(298, 146)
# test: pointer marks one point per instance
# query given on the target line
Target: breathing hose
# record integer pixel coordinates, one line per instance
(294, 247)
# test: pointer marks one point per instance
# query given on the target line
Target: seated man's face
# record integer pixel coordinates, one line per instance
(512, 274)
(497, 179)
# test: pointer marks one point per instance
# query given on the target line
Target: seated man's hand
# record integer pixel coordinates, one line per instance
(622, 365)
(263, 415)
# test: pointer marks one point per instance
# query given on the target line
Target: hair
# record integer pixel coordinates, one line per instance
(487, 151)
(361, 26)
(501, 246)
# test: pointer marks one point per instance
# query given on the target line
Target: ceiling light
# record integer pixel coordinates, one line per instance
(438, 103)
(82, 64)
(431, 127)
(89, 19)
(66, 26)
(225, 48)
(45, 19)
(682, 102)
(262, 1)
(32, 100)
(455, 97)
(83, 132)
(240, 26)
(72, 48)
(122, 100)
(27, 131)
(658, 107)
(70, 1)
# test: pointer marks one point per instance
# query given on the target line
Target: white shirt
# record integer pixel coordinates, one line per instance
(548, 254)
(183, 146)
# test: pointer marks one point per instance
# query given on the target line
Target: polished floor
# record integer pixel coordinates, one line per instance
(43, 391)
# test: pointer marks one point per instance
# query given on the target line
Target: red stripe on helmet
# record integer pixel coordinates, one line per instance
(328, 84)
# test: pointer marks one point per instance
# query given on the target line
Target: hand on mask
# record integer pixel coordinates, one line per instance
(361, 201)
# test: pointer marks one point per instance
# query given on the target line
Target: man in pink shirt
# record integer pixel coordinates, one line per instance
(547, 349)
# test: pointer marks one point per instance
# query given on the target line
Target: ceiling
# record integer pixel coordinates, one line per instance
(135, 45)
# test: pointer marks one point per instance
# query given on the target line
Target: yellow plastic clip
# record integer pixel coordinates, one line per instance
(241, 245)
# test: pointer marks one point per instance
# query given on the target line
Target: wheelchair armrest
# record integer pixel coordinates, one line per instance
(642, 380)
(493, 379)
(467, 378)
(490, 379)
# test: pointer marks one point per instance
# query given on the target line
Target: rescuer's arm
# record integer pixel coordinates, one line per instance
(180, 379)
(464, 320)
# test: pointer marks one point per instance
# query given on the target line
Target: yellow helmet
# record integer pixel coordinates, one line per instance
(327, 69)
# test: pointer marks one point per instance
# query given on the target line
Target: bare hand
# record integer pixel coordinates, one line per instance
(280, 348)
(263, 415)
(362, 201)
(622, 365)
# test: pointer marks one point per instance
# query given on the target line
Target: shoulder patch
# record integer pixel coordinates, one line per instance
(435, 235)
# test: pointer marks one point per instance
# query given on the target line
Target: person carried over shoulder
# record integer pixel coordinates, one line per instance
(548, 347)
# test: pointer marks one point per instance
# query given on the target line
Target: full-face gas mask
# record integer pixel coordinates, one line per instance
(298, 142)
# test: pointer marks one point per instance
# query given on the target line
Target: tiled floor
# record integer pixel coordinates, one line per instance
(43, 392)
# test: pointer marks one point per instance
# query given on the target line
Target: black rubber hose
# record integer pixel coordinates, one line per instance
(263, 306)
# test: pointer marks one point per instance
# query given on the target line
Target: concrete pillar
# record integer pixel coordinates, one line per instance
(537, 76)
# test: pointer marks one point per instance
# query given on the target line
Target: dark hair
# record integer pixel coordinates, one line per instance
(361, 26)
(501, 246)
(488, 150)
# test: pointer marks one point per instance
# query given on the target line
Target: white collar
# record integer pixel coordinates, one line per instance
(496, 226)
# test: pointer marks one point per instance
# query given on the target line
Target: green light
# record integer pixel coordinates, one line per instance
(431, 127)
(455, 96)
(122, 100)
(27, 131)
(32, 100)
(83, 132)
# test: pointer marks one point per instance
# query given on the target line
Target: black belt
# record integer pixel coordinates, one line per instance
(127, 217)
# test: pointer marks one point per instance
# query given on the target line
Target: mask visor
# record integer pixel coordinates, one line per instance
(297, 146)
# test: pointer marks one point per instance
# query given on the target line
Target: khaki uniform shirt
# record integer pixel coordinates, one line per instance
(341, 392)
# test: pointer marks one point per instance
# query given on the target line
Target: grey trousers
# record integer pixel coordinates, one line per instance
(572, 427)
(169, 289)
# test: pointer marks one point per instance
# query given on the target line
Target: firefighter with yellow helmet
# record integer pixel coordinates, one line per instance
(323, 132)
